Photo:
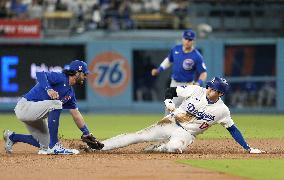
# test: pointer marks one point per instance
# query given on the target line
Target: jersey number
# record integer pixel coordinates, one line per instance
(204, 125)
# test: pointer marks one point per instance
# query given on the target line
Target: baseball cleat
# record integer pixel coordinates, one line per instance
(59, 149)
(44, 151)
(8, 142)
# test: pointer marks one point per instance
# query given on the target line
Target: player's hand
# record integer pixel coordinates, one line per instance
(154, 72)
(52, 94)
(92, 142)
(170, 105)
(256, 151)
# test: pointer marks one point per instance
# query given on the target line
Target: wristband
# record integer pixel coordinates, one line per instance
(160, 69)
(85, 130)
(200, 82)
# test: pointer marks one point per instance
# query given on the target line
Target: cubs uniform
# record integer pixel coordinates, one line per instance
(187, 65)
(41, 107)
(179, 129)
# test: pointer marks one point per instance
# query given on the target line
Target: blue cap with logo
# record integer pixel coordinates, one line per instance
(189, 34)
(80, 66)
(219, 84)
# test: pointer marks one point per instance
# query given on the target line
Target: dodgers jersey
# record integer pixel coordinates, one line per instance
(56, 81)
(186, 65)
(203, 113)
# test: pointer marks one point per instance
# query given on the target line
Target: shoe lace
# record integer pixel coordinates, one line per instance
(60, 146)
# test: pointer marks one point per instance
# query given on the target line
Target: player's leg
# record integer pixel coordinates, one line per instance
(39, 137)
(39, 131)
(53, 125)
(177, 143)
(155, 132)
(30, 111)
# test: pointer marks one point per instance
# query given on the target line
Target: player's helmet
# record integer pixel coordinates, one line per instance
(189, 34)
(219, 84)
(79, 66)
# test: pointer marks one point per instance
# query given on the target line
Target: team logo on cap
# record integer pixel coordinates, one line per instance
(80, 68)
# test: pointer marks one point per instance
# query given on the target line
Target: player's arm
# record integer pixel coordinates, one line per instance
(163, 66)
(227, 122)
(237, 135)
(201, 69)
(87, 136)
(202, 78)
(169, 95)
(44, 82)
(180, 91)
(79, 121)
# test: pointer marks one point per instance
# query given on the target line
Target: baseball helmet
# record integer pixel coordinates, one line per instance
(79, 66)
(218, 84)
(189, 34)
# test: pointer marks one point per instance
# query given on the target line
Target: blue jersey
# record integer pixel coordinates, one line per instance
(56, 81)
(186, 65)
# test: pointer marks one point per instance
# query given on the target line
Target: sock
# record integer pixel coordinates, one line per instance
(25, 139)
(53, 124)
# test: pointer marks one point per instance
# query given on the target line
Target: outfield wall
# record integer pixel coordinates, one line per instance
(119, 65)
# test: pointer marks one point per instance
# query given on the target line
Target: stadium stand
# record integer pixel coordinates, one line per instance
(240, 18)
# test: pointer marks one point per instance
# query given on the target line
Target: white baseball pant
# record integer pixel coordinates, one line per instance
(176, 138)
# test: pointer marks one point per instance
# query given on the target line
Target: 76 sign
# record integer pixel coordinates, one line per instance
(112, 74)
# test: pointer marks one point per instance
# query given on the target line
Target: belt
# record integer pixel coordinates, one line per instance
(183, 81)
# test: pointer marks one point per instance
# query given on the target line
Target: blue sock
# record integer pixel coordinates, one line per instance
(53, 124)
(25, 139)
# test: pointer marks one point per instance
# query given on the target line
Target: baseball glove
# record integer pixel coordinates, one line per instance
(92, 142)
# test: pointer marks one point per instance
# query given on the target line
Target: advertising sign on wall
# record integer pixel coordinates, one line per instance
(19, 64)
(20, 28)
(111, 74)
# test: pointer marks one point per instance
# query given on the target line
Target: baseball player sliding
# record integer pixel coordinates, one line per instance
(201, 108)
(40, 110)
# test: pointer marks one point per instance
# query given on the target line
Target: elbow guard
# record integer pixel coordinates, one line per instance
(170, 93)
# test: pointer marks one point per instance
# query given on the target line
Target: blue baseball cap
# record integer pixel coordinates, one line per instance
(79, 66)
(219, 84)
(189, 34)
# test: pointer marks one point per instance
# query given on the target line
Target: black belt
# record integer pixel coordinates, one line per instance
(183, 81)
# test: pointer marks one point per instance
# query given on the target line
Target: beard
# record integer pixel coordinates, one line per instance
(79, 81)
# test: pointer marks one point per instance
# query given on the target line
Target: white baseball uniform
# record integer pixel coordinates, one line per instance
(179, 129)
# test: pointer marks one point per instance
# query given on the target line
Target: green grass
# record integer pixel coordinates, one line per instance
(251, 126)
(259, 169)
(104, 126)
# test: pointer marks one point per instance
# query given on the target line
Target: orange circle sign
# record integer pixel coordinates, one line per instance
(110, 74)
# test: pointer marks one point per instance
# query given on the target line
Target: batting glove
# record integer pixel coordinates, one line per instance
(255, 151)
(170, 105)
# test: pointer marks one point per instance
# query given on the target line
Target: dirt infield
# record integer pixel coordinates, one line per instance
(127, 163)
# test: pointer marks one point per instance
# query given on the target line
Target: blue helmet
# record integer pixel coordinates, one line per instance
(80, 66)
(189, 34)
(219, 84)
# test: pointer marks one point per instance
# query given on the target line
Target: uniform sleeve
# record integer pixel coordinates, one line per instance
(170, 56)
(47, 79)
(200, 64)
(186, 91)
(226, 120)
(71, 103)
